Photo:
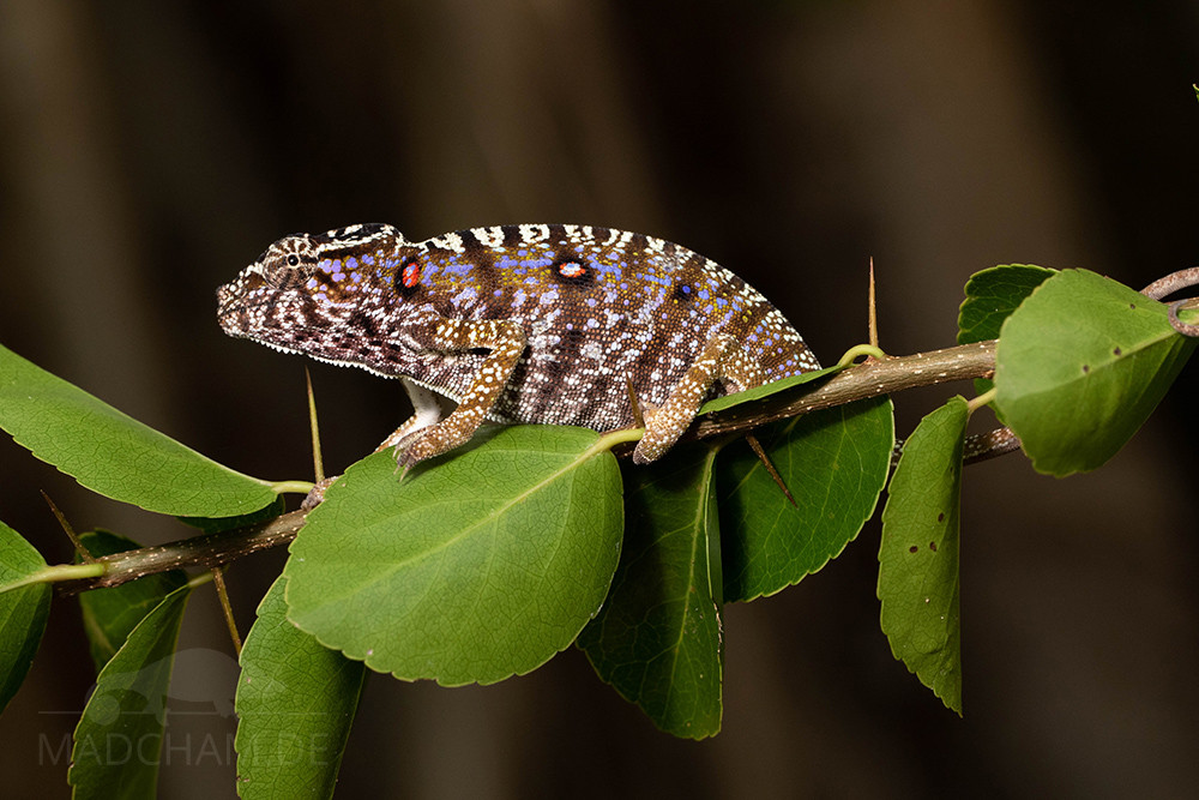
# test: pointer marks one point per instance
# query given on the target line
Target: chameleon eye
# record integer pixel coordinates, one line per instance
(293, 260)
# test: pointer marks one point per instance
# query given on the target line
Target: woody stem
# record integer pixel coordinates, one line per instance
(855, 383)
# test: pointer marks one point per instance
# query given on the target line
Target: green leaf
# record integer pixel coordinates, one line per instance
(119, 736)
(113, 454)
(657, 639)
(835, 463)
(295, 703)
(1080, 366)
(222, 524)
(480, 566)
(918, 557)
(23, 611)
(759, 393)
(992, 295)
(109, 614)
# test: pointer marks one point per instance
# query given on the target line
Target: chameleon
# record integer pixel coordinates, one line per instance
(553, 324)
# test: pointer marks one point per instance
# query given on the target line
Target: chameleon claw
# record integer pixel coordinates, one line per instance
(317, 495)
(404, 463)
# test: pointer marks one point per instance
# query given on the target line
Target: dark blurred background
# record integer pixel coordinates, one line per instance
(149, 150)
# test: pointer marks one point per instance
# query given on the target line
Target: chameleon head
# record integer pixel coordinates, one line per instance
(303, 286)
(269, 294)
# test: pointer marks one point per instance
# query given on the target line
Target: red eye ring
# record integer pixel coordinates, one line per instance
(410, 276)
(571, 269)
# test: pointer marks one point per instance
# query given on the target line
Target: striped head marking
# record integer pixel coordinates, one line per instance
(303, 283)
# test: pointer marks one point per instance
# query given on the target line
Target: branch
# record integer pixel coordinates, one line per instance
(207, 550)
(856, 383)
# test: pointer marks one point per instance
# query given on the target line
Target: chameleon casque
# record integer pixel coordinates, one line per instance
(552, 324)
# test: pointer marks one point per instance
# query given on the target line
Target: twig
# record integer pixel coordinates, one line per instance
(870, 379)
(206, 550)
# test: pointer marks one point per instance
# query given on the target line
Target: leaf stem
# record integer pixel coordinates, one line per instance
(860, 350)
(294, 487)
(614, 438)
(981, 400)
(59, 572)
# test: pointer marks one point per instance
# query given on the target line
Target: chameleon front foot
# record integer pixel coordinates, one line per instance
(430, 443)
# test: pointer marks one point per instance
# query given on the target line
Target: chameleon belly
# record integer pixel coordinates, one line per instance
(548, 324)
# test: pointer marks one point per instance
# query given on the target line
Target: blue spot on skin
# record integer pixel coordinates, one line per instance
(606, 270)
(457, 268)
(351, 263)
(703, 294)
(311, 284)
(368, 260)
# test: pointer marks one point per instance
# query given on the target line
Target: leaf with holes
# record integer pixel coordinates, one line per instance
(1080, 366)
(835, 464)
(296, 701)
(918, 557)
(481, 568)
(109, 614)
(657, 639)
(113, 454)
(23, 610)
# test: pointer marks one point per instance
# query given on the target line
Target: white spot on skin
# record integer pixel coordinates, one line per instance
(489, 237)
(532, 234)
(448, 241)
